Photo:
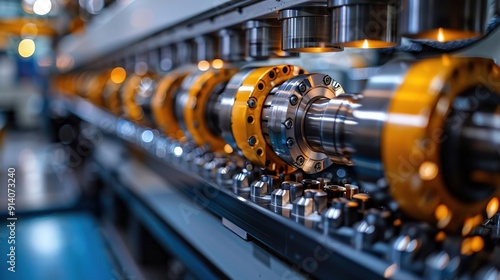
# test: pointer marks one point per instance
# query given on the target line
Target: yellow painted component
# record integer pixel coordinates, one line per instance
(413, 134)
(195, 111)
(162, 103)
(111, 97)
(246, 121)
(131, 109)
(96, 86)
(44, 27)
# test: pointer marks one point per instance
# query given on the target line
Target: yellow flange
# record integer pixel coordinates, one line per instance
(202, 85)
(162, 103)
(111, 97)
(413, 134)
(247, 111)
(95, 87)
(131, 109)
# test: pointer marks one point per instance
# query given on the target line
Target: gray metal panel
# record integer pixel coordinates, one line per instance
(128, 21)
(123, 25)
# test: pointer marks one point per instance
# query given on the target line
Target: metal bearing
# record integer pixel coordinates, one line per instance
(163, 102)
(245, 119)
(284, 122)
(191, 106)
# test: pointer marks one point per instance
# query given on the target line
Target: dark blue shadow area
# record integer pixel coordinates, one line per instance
(57, 246)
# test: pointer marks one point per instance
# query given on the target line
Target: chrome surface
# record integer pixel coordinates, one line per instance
(285, 122)
(231, 44)
(226, 100)
(206, 48)
(424, 15)
(354, 20)
(307, 29)
(263, 39)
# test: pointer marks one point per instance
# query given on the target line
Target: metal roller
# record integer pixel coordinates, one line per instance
(307, 29)
(444, 20)
(364, 23)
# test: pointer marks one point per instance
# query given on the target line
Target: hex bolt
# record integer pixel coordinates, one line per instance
(294, 100)
(251, 103)
(252, 141)
(302, 87)
(300, 160)
(288, 123)
(317, 167)
(290, 142)
(327, 80)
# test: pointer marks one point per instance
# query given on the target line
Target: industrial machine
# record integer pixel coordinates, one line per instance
(384, 168)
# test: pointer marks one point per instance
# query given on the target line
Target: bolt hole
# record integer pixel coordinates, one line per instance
(268, 163)
(250, 119)
(282, 169)
(260, 86)
(259, 152)
(285, 69)
(272, 74)
(301, 71)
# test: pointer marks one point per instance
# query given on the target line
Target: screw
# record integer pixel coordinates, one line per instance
(289, 143)
(300, 160)
(251, 103)
(302, 87)
(252, 140)
(317, 167)
(288, 123)
(249, 166)
(327, 80)
(294, 100)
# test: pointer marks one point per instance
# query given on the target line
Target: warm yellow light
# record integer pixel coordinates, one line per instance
(428, 170)
(228, 149)
(492, 207)
(217, 63)
(390, 270)
(42, 7)
(365, 44)
(440, 36)
(440, 236)
(203, 65)
(118, 75)
(444, 35)
(26, 48)
(443, 215)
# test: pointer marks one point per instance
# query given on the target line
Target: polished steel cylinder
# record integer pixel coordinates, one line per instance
(205, 48)
(231, 45)
(307, 29)
(443, 20)
(183, 53)
(263, 39)
(363, 23)
(167, 58)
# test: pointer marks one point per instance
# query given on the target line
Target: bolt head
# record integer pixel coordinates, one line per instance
(302, 87)
(290, 142)
(317, 167)
(327, 80)
(288, 123)
(300, 160)
(251, 103)
(252, 141)
(294, 100)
